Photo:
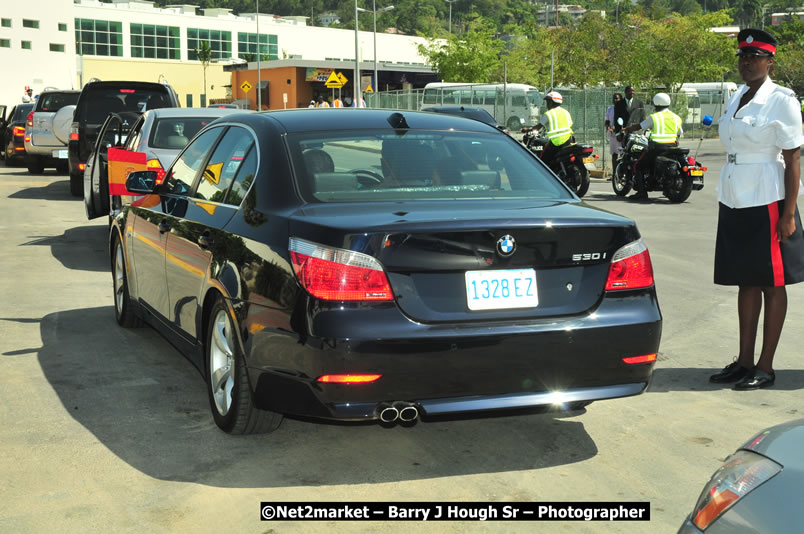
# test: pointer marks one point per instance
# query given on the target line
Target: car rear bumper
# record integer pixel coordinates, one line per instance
(46, 151)
(445, 370)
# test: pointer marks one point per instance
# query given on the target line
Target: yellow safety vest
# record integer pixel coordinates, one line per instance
(560, 126)
(665, 127)
(337, 103)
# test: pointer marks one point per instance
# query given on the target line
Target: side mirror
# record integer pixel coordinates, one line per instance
(142, 182)
(708, 120)
(620, 121)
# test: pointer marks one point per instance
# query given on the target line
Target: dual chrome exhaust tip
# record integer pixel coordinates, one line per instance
(404, 412)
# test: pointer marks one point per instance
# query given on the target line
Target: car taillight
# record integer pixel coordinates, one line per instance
(155, 165)
(27, 138)
(742, 472)
(645, 358)
(348, 379)
(18, 131)
(29, 119)
(74, 133)
(337, 274)
(630, 268)
(82, 166)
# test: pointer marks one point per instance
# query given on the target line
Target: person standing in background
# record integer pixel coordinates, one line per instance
(634, 106)
(28, 97)
(760, 244)
(613, 128)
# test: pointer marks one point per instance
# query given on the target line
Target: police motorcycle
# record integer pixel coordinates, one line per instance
(674, 172)
(569, 163)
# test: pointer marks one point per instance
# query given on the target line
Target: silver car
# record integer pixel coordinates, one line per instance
(127, 142)
(757, 489)
(48, 130)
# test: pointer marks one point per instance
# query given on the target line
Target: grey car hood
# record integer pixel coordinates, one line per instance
(782, 443)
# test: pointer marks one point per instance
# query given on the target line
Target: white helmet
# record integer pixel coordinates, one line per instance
(661, 99)
(555, 96)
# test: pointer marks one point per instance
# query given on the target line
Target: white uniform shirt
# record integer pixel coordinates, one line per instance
(754, 139)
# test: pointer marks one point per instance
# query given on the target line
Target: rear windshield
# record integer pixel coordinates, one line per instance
(97, 103)
(175, 133)
(22, 112)
(365, 166)
(53, 102)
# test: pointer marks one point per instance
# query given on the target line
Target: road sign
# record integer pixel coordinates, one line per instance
(369, 89)
(333, 81)
(246, 87)
(342, 79)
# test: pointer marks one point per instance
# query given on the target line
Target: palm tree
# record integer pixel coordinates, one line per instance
(204, 55)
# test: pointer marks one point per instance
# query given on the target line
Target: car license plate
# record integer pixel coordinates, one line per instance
(696, 172)
(61, 154)
(501, 289)
(588, 160)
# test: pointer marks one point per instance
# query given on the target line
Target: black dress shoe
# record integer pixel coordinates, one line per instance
(731, 373)
(759, 379)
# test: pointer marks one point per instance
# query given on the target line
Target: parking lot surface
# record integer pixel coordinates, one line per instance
(109, 430)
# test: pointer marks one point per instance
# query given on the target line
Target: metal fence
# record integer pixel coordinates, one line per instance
(588, 109)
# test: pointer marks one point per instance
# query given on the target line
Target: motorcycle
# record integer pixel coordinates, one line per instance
(674, 171)
(569, 163)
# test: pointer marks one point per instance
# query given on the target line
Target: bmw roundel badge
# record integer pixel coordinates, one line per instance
(506, 245)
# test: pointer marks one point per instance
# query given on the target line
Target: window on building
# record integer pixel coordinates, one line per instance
(160, 42)
(5, 23)
(247, 46)
(5, 43)
(28, 23)
(26, 45)
(220, 43)
(62, 27)
(56, 47)
(189, 100)
(99, 37)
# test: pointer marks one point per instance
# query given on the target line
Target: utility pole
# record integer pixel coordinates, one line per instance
(450, 2)
(259, 74)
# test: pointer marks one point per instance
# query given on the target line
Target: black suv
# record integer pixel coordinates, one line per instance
(97, 100)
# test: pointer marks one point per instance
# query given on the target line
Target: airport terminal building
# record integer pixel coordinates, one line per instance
(64, 44)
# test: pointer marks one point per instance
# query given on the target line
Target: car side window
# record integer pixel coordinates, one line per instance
(224, 164)
(244, 179)
(182, 174)
(109, 137)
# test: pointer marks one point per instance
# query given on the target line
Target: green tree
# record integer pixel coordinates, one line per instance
(582, 53)
(204, 54)
(789, 63)
(471, 57)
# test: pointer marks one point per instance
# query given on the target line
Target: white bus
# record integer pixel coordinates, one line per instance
(519, 108)
(714, 96)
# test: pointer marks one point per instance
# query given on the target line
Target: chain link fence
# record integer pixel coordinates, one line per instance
(587, 107)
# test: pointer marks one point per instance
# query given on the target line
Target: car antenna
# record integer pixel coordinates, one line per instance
(397, 120)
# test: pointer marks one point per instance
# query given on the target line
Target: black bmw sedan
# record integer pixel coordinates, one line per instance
(360, 264)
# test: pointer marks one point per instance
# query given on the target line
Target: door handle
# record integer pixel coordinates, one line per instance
(164, 227)
(205, 241)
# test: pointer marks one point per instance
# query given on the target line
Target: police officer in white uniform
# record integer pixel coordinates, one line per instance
(760, 244)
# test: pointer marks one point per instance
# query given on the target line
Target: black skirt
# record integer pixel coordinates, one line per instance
(747, 252)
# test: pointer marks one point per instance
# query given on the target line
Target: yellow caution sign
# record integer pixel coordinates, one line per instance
(342, 79)
(333, 82)
(212, 173)
(369, 89)
(246, 87)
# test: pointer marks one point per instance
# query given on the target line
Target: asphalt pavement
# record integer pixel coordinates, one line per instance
(109, 430)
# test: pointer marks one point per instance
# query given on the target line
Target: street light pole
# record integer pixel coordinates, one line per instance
(259, 74)
(356, 81)
(450, 2)
(382, 9)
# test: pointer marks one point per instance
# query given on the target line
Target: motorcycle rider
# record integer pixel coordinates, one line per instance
(557, 124)
(665, 129)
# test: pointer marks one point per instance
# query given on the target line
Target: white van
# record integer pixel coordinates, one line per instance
(714, 96)
(520, 108)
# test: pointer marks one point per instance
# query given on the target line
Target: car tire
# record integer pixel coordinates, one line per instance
(123, 307)
(35, 165)
(228, 389)
(76, 185)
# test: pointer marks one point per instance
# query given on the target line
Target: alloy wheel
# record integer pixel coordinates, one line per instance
(221, 362)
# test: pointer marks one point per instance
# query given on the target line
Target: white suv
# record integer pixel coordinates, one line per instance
(47, 130)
